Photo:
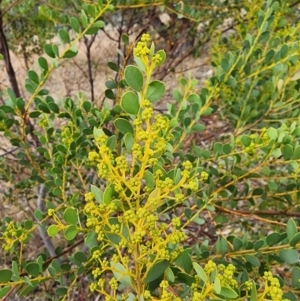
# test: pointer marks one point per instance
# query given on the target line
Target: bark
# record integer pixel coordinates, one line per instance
(4, 50)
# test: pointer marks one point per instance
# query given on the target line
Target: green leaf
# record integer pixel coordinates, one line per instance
(33, 269)
(217, 286)
(90, 240)
(87, 106)
(111, 142)
(113, 66)
(121, 273)
(253, 260)
(162, 55)
(71, 232)
(124, 126)
(269, 56)
(44, 108)
(221, 245)
(53, 107)
(129, 141)
(4, 290)
(84, 19)
(228, 293)
(253, 296)
(130, 103)
(150, 181)
(70, 54)
(49, 51)
(107, 195)
(125, 38)
(177, 95)
(246, 140)
(70, 216)
(52, 230)
(93, 30)
(40, 262)
(297, 153)
(98, 193)
(61, 291)
(237, 244)
(296, 277)
(134, 77)
(97, 133)
(290, 296)
(290, 256)
(200, 272)
(170, 275)
(198, 128)
(272, 133)
(111, 84)
(32, 75)
(291, 229)
(193, 98)
(15, 269)
(5, 275)
(75, 24)
(295, 240)
(155, 90)
(80, 256)
(258, 244)
(64, 36)
(156, 271)
(100, 3)
(29, 88)
(109, 94)
(273, 238)
(287, 152)
(184, 261)
(27, 289)
(99, 24)
(225, 64)
(20, 104)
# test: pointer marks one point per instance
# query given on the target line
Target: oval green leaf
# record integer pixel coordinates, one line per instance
(134, 77)
(200, 272)
(33, 269)
(52, 230)
(107, 195)
(123, 125)
(155, 90)
(5, 275)
(70, 216)
(156, 271)
(71, 232)
(291, 229)
(121, 273)
(290, 256)
(130, 103)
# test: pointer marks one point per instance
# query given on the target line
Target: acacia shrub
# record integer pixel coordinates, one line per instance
(120, 182)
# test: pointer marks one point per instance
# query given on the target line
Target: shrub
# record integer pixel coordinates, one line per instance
(127, 202)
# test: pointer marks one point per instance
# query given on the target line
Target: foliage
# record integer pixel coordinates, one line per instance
(121, 181)
(257, 80)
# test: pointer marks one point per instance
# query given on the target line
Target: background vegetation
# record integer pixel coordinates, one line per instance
(122, 196)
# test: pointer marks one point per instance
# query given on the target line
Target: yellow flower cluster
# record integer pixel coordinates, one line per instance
(66, 135)
(273, 285)
(226, 275)
(141, 48)
(12, 234)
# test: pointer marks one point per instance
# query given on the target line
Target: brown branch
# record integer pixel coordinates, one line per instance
(258, 212)
(4, 50)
